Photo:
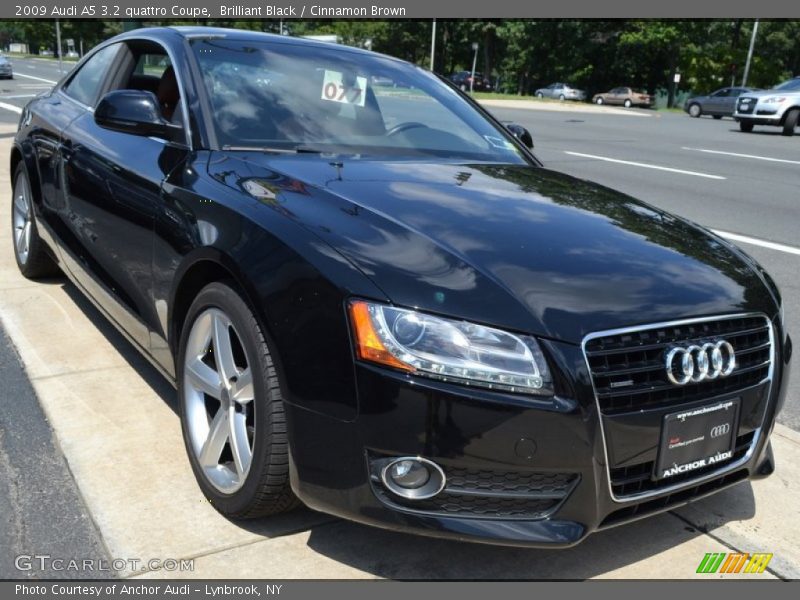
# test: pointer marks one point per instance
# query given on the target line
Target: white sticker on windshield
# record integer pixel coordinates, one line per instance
(335, 89)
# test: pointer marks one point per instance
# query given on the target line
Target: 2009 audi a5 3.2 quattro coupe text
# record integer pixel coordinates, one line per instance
(374, 300)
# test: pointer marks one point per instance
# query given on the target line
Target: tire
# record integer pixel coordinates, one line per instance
(695, 110)
(561, 97)
(598, 101)
(30, 253)
(627, 104)
(745, 126)
(790, 122)
(214, 387)
(717, 117)
(539, 95)
(463, 87)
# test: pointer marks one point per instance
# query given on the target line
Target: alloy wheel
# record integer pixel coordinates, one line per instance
(218, 399)
(22, 218)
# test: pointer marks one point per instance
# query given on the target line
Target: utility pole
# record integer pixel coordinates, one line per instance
(433, 44)
(58, 42)
(750, 53)
(474, 62)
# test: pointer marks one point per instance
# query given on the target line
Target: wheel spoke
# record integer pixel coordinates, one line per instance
(223, 352)
(215, 442)
(21, 204)
(240, 444)
(26, 235)
(19, 236)
(243, 391)
(204, 378)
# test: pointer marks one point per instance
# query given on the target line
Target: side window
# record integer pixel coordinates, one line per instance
(85, 84)
(153, 65)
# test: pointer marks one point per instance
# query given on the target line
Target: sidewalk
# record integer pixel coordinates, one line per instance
(568, 107)
(115, 420)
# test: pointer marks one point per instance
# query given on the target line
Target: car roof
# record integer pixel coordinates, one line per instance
(199, 32)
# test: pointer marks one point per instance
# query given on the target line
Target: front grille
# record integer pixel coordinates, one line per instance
(672, 500)
(746, 107)
(637, 479)
(629, 371)
(485, 493)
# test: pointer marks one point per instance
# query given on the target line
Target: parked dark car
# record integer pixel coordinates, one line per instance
(381, 304)
(463, 78)
(718, 104)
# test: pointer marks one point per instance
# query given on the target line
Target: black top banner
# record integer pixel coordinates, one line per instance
(395, 9)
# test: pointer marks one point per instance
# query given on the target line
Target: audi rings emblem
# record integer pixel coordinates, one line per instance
(698, 363)
(720, 430)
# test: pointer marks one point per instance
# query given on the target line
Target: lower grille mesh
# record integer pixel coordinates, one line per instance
(485, 493)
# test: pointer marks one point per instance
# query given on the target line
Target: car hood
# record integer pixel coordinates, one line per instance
(766, 93)
(520, 247)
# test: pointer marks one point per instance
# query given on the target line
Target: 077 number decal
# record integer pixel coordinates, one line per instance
(336, 89)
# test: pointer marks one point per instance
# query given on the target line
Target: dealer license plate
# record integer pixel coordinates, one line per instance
(697, 438)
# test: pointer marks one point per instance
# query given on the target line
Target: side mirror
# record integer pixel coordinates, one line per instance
(522, 134)
(136, 112)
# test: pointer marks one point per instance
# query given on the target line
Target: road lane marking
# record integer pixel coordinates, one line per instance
(644, 165)
(18, 96)
(779, 160)
(18, 74)
(11, 107)
(745, 239)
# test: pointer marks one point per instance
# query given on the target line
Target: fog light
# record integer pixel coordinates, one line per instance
(414, 478)
(409, 474)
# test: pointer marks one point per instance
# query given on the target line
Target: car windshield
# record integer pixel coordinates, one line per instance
(790, 86)
(296, 97)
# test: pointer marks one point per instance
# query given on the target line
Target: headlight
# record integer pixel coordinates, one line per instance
(449, 350)
(774, 100)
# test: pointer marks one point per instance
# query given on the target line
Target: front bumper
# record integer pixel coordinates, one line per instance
(536, 470)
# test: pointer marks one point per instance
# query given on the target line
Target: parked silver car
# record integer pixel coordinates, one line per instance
(561, 91)
(718, 104)
(6, 70)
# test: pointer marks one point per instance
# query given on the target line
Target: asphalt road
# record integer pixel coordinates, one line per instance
(707, 170)
(31, 77)
(745, 184)
(41, 511)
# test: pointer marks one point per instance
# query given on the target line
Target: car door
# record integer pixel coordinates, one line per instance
(728, 102)
(53, 113)
(715, 104)
(113, 187)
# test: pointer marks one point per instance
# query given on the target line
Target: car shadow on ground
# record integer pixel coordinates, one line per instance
(774, 132)
(394, 555)
(403, 556)
(132, 356)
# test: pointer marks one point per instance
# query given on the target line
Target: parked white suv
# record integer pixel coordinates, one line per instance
(779, 107)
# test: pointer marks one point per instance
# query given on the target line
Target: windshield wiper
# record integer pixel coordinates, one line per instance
(295, 150)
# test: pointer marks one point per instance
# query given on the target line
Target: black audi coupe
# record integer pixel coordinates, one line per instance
(373, 299)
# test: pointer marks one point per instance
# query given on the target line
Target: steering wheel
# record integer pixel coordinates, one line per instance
(404, 127)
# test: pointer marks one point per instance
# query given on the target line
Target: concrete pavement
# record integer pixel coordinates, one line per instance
(565, 107)
(115, 420)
